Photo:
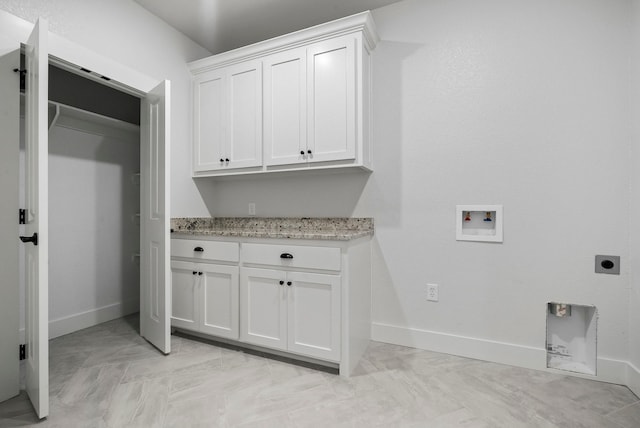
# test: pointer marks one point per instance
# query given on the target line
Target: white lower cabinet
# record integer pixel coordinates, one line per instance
(205, 298)
(297, 312)
(309, 300)
(184, 287)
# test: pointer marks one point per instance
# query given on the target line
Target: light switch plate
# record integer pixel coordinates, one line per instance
(608, 264)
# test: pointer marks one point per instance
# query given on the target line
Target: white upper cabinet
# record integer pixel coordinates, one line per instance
(299, 101)
(244, 139)
(285, 107)
(209, 121)
(331, 100)
(227, 118)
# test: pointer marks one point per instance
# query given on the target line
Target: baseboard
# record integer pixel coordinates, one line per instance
(75, 322)
(633, 379)
(609, 370)
(470, 347)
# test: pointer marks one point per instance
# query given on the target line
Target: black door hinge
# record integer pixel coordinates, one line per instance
(23, 352)
(22, 216)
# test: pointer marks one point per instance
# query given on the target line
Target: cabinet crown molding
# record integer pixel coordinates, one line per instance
(361, 23)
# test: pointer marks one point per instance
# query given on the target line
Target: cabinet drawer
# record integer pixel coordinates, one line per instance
(325, 258)
(211, 250)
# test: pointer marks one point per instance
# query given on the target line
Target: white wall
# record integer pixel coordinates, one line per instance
(93, 199)
(499, 102)
(515, 103)
(125, 32)
(634, 232)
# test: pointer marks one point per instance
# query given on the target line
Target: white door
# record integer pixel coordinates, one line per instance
(314, 315)
(9, 285)
(219, 300)
(244, 135)
(285, 107)
(155, 267)
(184, 295)
(331, 100)
(36, 251)
(263, 307)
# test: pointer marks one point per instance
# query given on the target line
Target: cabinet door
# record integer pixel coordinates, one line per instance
(219, 300)
(209, 121)
(263, 308)
(332, 99)
(285, 108)
(244, 140)
(314, 315)
(184, 288)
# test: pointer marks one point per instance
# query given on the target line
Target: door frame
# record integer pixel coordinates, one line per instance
(69, 56)
(161, 341)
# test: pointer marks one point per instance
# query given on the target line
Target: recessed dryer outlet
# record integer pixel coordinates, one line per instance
(608, 264)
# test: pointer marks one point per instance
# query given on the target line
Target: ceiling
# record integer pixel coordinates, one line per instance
(222, 25)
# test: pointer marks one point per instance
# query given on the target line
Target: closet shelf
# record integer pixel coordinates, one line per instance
(83, 120)
(75, 118)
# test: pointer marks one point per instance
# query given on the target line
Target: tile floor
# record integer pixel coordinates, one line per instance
(107, 376)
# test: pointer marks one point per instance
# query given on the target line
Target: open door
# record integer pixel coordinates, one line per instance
(155, 268)
(9, 280)
(36, 228)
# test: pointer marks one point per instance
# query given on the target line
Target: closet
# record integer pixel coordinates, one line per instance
(94, 202)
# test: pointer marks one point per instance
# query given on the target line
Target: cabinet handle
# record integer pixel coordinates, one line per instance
(289, 283)
(281, 282)
(302, 152)
(199, 249)
(199, 273)
(309, 151)
(195, 272)
(226, 160)
(286, 256)
(221, 160)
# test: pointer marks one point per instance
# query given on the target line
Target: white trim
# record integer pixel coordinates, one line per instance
(470, 347)
(360, 22)
(633, 379)
(75, 322)
(609, 370)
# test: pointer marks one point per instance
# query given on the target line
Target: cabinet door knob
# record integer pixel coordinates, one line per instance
(309, 151)
(281, 282)
(221, 160)
(289, 283)
(200, 273)
(302, 152)
(226, 160)
(286, 256)
(195, 272)
(199, 249)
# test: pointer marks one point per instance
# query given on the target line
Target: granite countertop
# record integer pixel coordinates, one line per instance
(332, 229)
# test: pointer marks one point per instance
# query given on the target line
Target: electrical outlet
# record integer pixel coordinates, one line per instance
(252, 208)
(432, 292)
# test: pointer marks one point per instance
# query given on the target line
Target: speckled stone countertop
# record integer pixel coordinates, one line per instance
(335, 229)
